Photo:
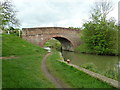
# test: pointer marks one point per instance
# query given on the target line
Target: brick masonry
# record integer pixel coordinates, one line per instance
(69, 38)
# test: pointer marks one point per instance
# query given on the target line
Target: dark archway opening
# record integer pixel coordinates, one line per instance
(59, 43)
(53, 43)
(66, 44)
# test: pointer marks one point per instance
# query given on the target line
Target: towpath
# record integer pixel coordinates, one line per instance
(52, 78)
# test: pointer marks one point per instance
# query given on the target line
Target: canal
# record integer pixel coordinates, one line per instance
(100, 62)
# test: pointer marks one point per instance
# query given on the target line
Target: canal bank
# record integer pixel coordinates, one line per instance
(110, 81)
(105, 65)
(72, 76)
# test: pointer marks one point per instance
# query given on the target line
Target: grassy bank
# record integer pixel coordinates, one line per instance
(24, 70)
(15, 46)
(71, 76)
(0, 61)
(108, 73)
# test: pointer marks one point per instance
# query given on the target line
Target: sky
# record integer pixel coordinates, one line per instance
(56, 13)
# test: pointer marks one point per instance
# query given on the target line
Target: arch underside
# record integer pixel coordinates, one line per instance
(66, 44)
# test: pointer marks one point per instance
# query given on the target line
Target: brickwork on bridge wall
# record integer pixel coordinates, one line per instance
(69, 38)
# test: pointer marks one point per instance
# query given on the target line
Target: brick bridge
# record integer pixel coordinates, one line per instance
(69, 38)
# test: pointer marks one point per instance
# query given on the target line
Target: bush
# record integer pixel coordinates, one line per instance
(99, 38)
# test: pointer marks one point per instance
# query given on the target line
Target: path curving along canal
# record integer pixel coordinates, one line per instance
(52, 78)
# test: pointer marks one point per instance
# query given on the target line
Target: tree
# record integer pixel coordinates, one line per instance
(99, 34)
(104, 7)
(7, 15)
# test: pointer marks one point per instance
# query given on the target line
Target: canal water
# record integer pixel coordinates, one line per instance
(102, 63)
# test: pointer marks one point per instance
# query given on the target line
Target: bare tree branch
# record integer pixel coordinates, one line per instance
(104, 7)
(8, 15)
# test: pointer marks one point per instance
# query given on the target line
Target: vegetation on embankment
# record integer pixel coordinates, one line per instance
(99, 34)
(100, 38)
(23, 71)
(53, 43)
(0, 61)
(113, 74)
(72, 76)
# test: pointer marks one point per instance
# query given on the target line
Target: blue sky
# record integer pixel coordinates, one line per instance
(60, 13)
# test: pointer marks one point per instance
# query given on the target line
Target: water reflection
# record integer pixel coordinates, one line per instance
(102, 63)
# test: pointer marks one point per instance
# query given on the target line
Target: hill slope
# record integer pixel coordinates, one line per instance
(13, 45)
(24, 70)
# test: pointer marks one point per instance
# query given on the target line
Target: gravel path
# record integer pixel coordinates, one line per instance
(51, 77)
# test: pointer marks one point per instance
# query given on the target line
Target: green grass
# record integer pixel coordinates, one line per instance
(53, 43)
(72, 76)
(108, 73)
(0, 45)
(14, 46)
(24, 71)
(0, 61)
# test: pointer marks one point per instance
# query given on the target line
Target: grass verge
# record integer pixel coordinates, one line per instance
(110, 73)
(72, 76)
(0, 61)
(23, 71)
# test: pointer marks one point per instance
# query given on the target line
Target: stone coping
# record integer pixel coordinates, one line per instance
(50, 28)
(110, 81)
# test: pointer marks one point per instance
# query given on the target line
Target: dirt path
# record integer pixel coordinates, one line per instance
(52, 78)
(11, 57)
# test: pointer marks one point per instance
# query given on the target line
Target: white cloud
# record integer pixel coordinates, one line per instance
(114, 12)
(65, 13)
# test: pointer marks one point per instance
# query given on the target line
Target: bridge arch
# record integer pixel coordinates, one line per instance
(66, 43)
(69, 38)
